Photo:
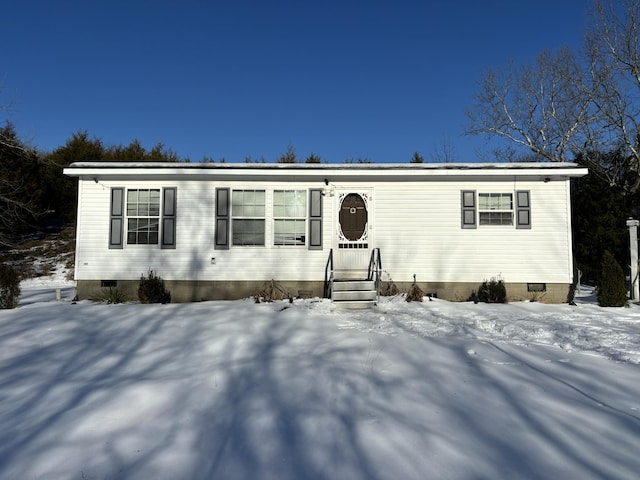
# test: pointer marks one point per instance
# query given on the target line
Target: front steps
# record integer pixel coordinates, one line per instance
(354, 294)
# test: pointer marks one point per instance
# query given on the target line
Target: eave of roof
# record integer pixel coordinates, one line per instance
(79, 169)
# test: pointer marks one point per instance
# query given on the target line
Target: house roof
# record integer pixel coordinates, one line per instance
(547, 170)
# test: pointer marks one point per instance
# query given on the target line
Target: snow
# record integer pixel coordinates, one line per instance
(305, 390)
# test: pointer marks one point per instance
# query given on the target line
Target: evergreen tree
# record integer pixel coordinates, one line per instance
(289, 156)
(61, 190)
(312, 158)
(600, 211)
(611, 289)
(417, 158)
(21, 193)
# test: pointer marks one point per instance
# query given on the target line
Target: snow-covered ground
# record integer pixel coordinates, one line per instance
(238, 390)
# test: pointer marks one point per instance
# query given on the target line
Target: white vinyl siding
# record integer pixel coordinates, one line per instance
(418, 232)
(416, 225)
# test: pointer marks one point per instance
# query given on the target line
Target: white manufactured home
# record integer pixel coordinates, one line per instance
(220, 231)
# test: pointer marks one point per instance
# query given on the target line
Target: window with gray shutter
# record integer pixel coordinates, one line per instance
(468, 202)
(222, 219)
(290, 217)
(116, 225)
(169, 218)
(315, 219)
(523, 209)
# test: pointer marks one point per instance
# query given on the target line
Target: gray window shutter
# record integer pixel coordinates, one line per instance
(523, 209)
(222, 219)
(469, 214)
(169, 217)
(116, 225)
(315, 219)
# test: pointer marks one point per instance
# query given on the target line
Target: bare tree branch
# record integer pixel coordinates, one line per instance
(563, 107)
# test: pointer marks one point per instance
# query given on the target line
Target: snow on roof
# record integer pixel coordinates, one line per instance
(306, 169)
(326, 166)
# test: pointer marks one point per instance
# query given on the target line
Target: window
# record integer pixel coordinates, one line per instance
(289, 213)
(143, 216)
(536, 287)
(247, 211)
(495, 208)
(137, 217)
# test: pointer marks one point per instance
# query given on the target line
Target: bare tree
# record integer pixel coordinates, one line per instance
(444, 152)
(538, 106)
(613, 56)
(563, 107)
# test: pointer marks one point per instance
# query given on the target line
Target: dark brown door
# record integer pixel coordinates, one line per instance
(353, 217)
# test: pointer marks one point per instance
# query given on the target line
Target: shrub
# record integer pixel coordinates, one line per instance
(151, 289)
(391, 290)
(415, 293)
(492, 291)
(571, 294)
(111, 295)
(612, 291)
(271, 292)
(9, 286)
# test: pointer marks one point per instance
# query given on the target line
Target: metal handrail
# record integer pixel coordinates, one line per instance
(375, 270)
(328, 276)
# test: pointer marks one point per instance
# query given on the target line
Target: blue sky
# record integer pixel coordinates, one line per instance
(341, 79)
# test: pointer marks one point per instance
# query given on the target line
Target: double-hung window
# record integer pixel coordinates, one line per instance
(289, 214)
(495, 208)
(247, 212)
(143, 216)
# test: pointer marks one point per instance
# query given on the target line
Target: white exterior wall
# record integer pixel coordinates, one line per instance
(195, 220)
(416, 225)
(418, 231)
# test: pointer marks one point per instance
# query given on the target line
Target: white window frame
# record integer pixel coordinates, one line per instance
(140, 212)
(245, 212)
(287, 212)
(492, 210)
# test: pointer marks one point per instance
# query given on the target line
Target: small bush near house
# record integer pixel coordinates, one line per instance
(111, 295)
(151, 289)
(271, 292)
(414, 294)
(391, 289)
(571, 294)
(492, 291)
(612, 291)
(9, 286)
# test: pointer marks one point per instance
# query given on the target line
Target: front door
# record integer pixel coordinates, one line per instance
(352, 238)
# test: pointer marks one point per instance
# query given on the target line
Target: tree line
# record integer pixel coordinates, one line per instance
(34, 194)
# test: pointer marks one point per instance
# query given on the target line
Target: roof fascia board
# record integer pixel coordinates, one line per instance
(387, 172)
